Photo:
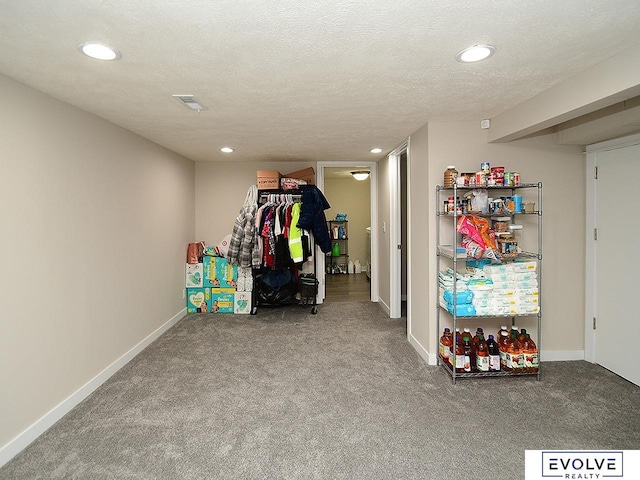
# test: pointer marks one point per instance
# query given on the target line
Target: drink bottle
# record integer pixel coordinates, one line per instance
(502, 344)
(459, 366)
(446, 342)
(499, 334)
(482, 355)
(530, 352)
(474, 340)
(522, 335)
(467, 356)
(466, 335)
(515, 358)
(494, 354)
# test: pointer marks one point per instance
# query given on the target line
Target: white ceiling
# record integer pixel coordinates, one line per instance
(313, 80)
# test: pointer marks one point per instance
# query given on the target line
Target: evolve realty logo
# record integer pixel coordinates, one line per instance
(575, 464)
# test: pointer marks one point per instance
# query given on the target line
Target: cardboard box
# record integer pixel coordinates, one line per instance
(242, 303)
(306, 174)
(198, 300)
(219, 273)
(222, 300)
(194, 275)
(268, 179)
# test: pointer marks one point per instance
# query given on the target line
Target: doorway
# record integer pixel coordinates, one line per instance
(350, 275)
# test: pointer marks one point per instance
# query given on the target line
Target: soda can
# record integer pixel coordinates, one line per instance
(485, 167)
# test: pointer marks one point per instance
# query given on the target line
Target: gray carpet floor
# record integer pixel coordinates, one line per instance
(337, 395)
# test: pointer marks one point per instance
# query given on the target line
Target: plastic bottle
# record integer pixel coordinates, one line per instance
(522, 335)
(499, 334)
(446, 341)
(459, 356)
(450, 176)
(466, 335)
(474, 340)
(494, 354)
(482, 355)
(515, 357)
(467, 356)
(530, 352)
(502, 344)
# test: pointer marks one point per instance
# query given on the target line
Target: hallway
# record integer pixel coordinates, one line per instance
(347, 288)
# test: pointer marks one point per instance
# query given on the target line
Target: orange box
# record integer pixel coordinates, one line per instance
(306, 174)
(268, 179)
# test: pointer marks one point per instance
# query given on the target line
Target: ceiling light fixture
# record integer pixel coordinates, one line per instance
(100, 51)
(360, 175)
(226, 149)
(376, 150)
(475, 53)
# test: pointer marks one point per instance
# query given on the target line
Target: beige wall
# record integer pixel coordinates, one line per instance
(221, 189)
(562, 171)
(95, 222)
(352, 197)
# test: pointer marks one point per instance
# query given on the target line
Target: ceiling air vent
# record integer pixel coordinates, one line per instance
(190, 102)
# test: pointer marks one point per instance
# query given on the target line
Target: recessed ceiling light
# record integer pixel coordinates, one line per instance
(100, 51)
(226, 149)
(376, 150)
(475, 53)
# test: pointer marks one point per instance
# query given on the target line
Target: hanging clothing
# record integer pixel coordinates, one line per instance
(312, 215)
(295, 236)
(241, 244)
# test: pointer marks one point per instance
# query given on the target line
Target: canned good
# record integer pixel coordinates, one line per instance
(499, 174)
(516, 178)
(508, 179)
(485, 167)
(481, 178)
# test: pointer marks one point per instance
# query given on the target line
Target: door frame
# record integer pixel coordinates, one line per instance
(395, 234)
(590, 250)
(373, 198)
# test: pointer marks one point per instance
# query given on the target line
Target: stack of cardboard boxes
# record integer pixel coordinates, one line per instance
(212, 287)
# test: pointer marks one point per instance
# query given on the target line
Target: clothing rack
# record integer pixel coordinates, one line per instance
(307, 283)
(278, 197)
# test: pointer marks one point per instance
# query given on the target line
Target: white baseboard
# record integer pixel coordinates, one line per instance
(384, 306)
(19, 443)
(429, 358)
(561, 355)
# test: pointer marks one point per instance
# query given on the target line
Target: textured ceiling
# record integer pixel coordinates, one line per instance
(314, 80)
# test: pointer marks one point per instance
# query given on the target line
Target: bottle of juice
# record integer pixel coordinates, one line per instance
(467, 356)
(530, 351)
(446, 342)
(499, 334)
(494, 354)
(466, 335)
(522, 335)
(482, 355)
(459, 360)
(474, 340)
(502, 344)
(515, 357)
(514, 329)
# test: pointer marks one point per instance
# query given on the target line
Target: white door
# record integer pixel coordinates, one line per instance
(617, 264)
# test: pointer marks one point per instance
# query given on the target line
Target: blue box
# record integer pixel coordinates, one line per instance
(219, 273)
(222, 300)
(198, 300)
